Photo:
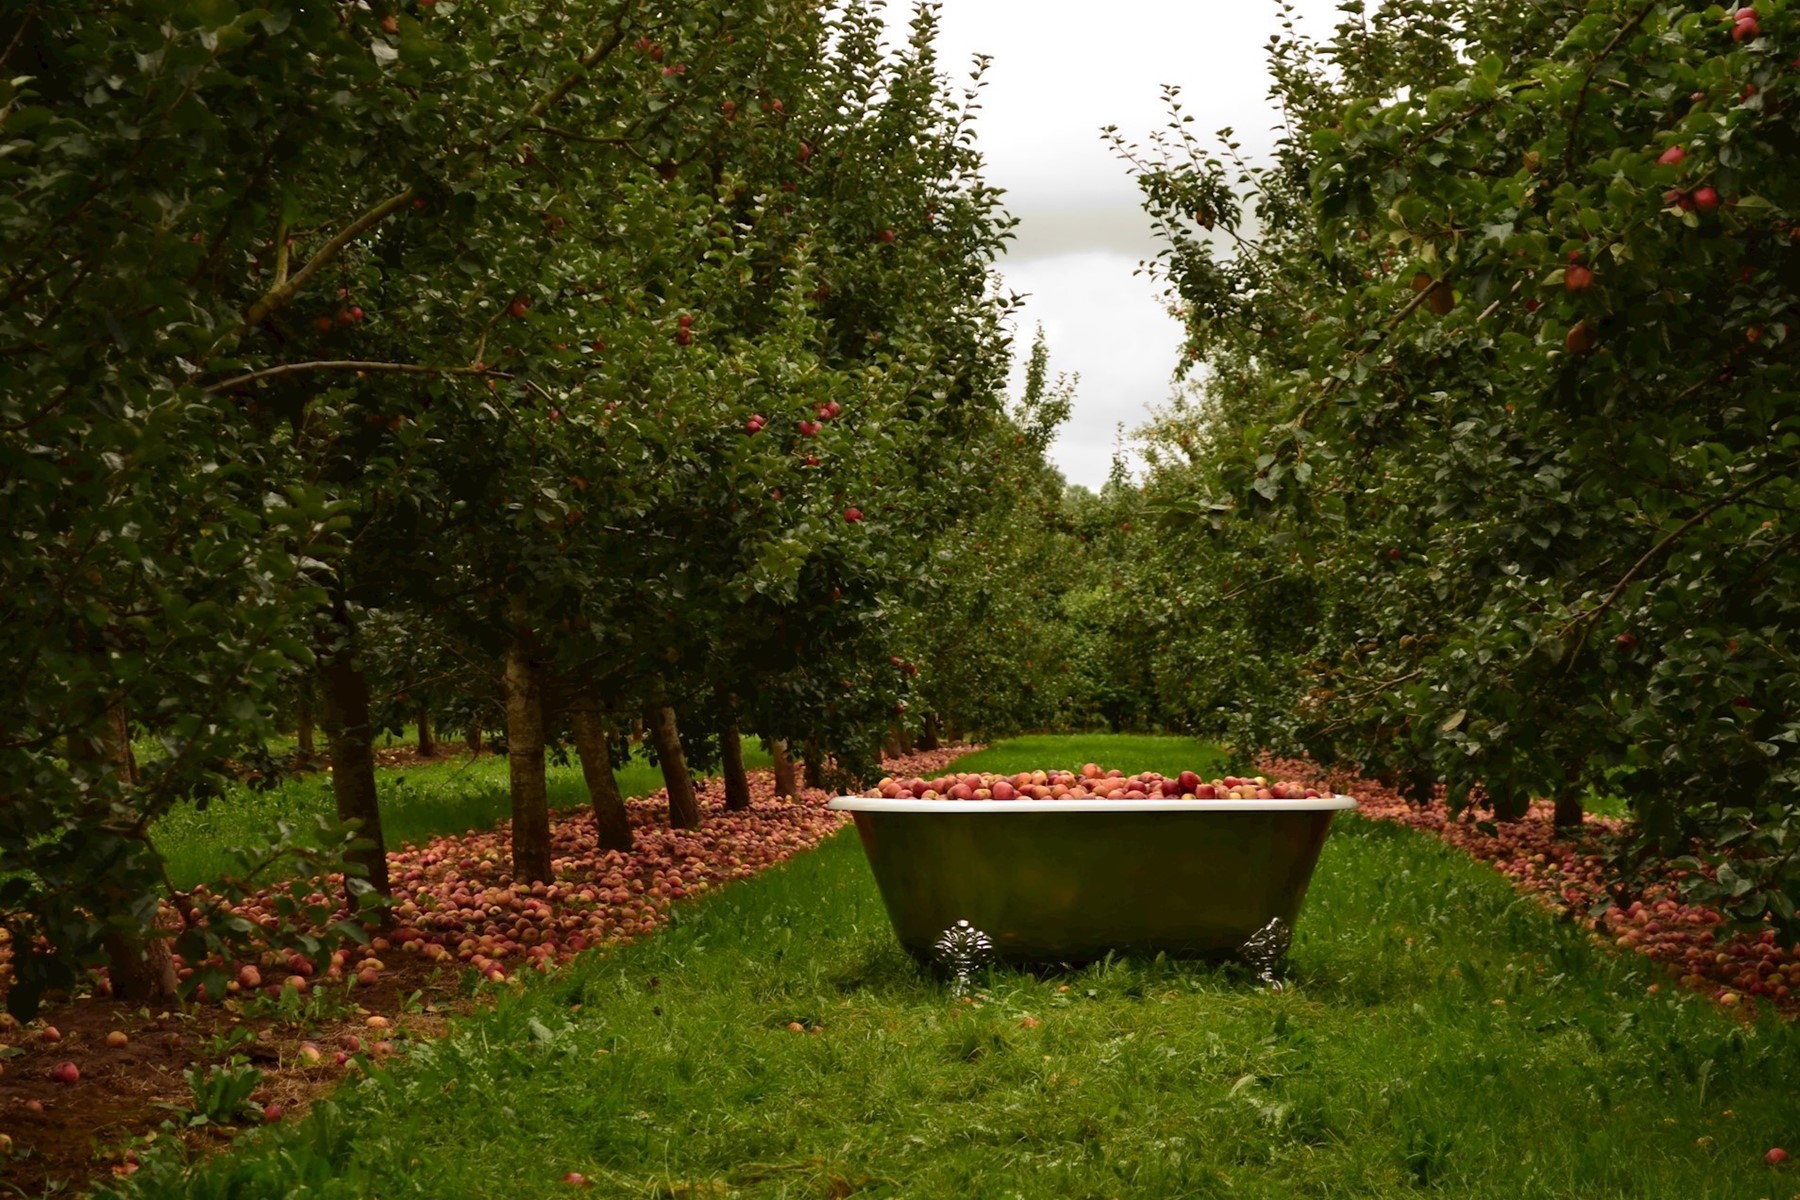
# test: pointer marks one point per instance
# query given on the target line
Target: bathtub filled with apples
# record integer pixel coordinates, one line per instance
(1062, 866)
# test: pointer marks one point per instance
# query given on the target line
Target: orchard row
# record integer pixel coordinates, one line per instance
(574, 378)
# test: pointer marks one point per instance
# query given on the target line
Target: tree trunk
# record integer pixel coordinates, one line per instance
(610, 815)
(1569, 810)
(890, 746)
(737, 782)
(1508, 805)
(141, 971)
(138, 964)
(928, 736)
(303, 722)
(349, 736)
(813, 766)
(684, 806)
(904, 733)
(525, 757)
(427, 743)
(472, 738)
(785, 786)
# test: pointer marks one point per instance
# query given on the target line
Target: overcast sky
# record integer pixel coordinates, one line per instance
(1063, 69)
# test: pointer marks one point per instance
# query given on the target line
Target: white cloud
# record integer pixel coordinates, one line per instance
(1062, 69)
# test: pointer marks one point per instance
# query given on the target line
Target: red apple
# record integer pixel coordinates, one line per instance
(66, 1072)
(853, 515)
(1002, 790)
(1672, 156)
(1776, 1156)
(1577, 279)
(1706, 200)
(518, 306)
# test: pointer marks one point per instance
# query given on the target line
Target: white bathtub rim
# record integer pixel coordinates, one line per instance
(1088, 805)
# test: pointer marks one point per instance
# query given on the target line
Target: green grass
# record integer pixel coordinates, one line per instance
(1129, 752)
(1442, 1035)
(417, 804)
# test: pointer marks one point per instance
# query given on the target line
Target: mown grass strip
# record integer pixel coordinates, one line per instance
(1443, 1034)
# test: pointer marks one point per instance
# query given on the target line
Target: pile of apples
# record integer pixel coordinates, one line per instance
(1091, 783)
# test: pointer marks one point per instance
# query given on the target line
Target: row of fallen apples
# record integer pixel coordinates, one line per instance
(456, 902)
(1568, 871)
(1090, 783)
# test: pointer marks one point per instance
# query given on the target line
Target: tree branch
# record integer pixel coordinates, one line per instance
(281, 293)
(589, 61)
(388, 368)
(1588, 79)
(1586, 621)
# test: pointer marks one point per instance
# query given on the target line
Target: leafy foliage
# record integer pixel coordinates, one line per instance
(1496, 399)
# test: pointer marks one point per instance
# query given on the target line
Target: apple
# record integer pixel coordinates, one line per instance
(1003, 790)
(810, 428)
(1577, 278)
(1745, 28)
(272, 1113)
(684, 336)
(249, 977)
(51, 1033)
(117, 1039)
(518, 307)
(1776, 1156)
(1581, 338)
(65, 1072)
(1706, 200)
(577, 1179)
(1626, 641)
(853, 515)
(886, 237)
(1672, 157)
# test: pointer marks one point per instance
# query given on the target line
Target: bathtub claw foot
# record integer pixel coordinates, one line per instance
(961, 950)
(1266, 952)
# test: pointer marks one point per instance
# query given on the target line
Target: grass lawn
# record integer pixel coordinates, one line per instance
(1442, 1035)
(417, 804)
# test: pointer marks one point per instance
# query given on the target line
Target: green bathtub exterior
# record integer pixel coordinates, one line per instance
(1070, 881)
